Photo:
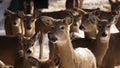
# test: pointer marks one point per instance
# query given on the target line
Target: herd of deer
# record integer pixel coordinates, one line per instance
(99, 48)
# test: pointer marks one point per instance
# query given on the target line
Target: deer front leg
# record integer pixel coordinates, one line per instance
(41, 39)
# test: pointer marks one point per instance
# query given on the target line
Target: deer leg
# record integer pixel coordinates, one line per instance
(7, 26)
(51, 50)
(41, 39)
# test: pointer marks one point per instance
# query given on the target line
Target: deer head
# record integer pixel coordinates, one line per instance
(14, 19)
(60, 30)
(77, 16)
(28, 7)
(28, 21)
(51, 63)
(115, 5)
(96, 19)
(86, 24)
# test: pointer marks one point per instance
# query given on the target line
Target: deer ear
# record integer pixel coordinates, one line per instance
(20, 14)
(36, 36)
(37, 14)
(48, 21)
(96, 12)
(68, 20)
(8, 12)
(115, 19)
(33, 61)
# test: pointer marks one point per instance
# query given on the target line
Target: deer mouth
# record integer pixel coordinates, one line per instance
(53, 40)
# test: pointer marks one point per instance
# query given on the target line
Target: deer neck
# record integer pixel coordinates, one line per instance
(91, 34)
(67, 54)
(101, 46)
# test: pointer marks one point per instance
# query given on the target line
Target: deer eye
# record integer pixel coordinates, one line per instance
(25, 20)
(62, 27)
(108, 26)
(32, 20)
(99, 26)
(52, 27)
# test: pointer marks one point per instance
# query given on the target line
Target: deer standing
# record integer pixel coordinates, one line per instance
(12, 23)
(60, 37)
(14, 49)
(115, 6)
(40, 26)
(100, 45)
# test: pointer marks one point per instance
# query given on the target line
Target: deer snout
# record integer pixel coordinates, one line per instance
(75, 24)
(14, 23)
(52, 38)
(29, 27)
(104, 34)
(29, 51)
(81, 27)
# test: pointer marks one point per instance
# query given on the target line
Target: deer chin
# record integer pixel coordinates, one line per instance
(104, 39)
(29, 33)
(58, 42)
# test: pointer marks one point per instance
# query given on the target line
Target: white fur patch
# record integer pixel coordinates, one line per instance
(86, 55)
(104, 39)
(113, 29)
(83, 51)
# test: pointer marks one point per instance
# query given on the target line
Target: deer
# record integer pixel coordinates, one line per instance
(111, 58)
(12, 23)
(77, 14)
(60, 37)
(50, 63)
(17, 48)
(73, 3)
(90, 29)
(103, 24)
(115, 6)
(12, 20)
(28, 7)
(28, 21)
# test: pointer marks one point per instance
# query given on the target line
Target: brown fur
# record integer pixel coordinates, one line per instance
(57, 15)
(103, 24)
(14, 48)
(60, 36)
(12, 23)
(51, 63)
(90, 29)
(112, 56)
(73, 3)
(28, 7)
(115, 6)
(28, 21)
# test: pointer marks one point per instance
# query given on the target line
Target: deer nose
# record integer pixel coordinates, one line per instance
(29, 51)
(75, 24)
(14, 23)
(28, 27)
(52, 38)
(104, 34)
(81, 27)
